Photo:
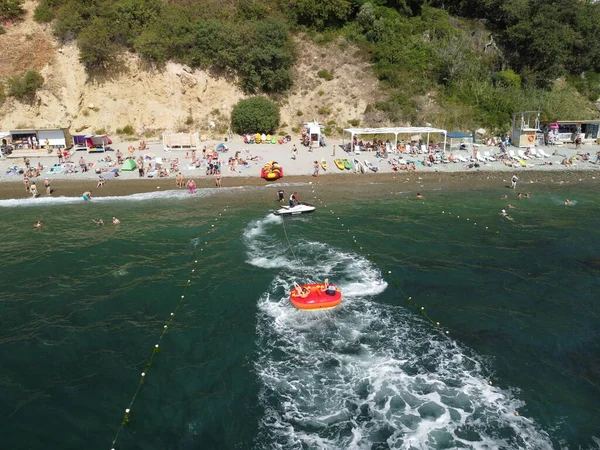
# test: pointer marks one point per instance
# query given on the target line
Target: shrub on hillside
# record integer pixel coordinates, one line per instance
(127, 129)
(11, 9)
(43, 13)
(321, 14)
(24, 87)
(255, 115)
(96, 48)
(325, 74)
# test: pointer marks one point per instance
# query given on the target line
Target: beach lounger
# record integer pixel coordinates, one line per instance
(512, 155)
(481, 158)
(488, 156)
(543, 153)
(535, 153)
(461, 158)
(522, 154)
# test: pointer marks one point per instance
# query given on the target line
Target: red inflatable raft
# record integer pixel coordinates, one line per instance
(316, 298)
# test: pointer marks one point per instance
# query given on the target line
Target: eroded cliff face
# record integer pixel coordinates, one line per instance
(174, 97)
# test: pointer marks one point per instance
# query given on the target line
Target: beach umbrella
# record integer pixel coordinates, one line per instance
(221, 147)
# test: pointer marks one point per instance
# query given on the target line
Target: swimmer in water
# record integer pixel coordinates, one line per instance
(567, 202)
(87, 195)
(419, 195)
(116, 221)
(504, 214)
(99, 222)
(511, 206)
(38, 224)
(504, 197)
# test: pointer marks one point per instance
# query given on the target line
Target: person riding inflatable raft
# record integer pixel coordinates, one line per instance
(271, 171)
(316, 296)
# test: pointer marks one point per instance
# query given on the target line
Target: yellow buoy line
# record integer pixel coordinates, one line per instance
(388, 273)
(198, 249)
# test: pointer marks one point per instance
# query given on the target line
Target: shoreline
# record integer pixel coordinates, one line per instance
(425, 181)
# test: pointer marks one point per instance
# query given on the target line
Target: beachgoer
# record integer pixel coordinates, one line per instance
(26, 161)
(101, 181)
(33, 190)
(99, 222)
(567, 202)
(191, 184)
(419, 195)
(511, 206)
(218, 178)
(87, 195)
(115, 221)
(513, 181)
(26, 181)
(328, 288)
(519, 195)
(316, 169)
(301, 292)
(60, 155)
(38, 224)
(47, 186)
(281, 195)
(503, 213)
(504, 196)
(527, 195)
(294, 200)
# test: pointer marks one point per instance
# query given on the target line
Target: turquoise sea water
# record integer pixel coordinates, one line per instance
(82, 307)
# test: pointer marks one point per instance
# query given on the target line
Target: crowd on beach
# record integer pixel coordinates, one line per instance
(408, 155)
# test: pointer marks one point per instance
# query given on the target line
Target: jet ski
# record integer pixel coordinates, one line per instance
(301, 208)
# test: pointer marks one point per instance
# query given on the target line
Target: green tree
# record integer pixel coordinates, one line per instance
(73, 16)
(96, 48)
(24, 87)
(255, 115)
(321, 14)
(266, 58)
(170, 36)
(129, 18)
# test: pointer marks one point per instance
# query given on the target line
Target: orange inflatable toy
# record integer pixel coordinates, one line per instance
(271, 171)
(315, 298)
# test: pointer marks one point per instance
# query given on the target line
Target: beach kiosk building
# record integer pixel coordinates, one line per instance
(526, 129)
(564, 130)
(314, 133)
(31, 139)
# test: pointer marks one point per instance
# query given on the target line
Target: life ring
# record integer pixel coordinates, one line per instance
(531, 138)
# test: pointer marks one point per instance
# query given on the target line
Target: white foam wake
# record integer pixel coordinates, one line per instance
(367, 375)
(145, 196)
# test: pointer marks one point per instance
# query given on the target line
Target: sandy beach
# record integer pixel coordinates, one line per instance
(295, 170)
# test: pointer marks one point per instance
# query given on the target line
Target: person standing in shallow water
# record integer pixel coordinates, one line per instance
(513, 182)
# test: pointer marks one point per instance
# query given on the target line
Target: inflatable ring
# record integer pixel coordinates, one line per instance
(531, 138)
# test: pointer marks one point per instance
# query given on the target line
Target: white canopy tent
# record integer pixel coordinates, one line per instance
(395, 131)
